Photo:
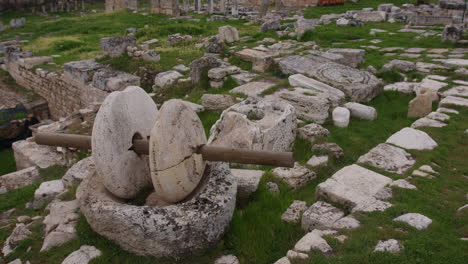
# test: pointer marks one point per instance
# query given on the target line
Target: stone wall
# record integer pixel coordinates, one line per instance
(63, 93)
(114, 5)
(286, 3)
(83, 82)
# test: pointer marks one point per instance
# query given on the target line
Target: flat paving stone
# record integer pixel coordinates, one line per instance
(388, 158)
(410, 138)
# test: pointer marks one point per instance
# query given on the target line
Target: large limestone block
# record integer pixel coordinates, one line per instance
(247, 181)
(410, 138)
(359, 86)
(296, 64)
(217, 102)
(123, 116)
(20, 179)
(320, 215)
(415, 220)
(352, 57)
(310, 106)
(371, 16)
(60, 224)
(354, 187)
(461, 90)
(77, 172)
(295, 177)
(228, 34)
(388, 158)
(47, 191)
(429, 85)
(314, 241)
(257, 124)
(294, 212)
(116, 46)
(452, 100)
(253, 88)
(421, 105)
(312, 131)
(299, 80)
(110, 80)
(174, 230)
(361, 111)
(29, 154)
(261, 61)
(168, 78)
(176, 169)
(82, 256)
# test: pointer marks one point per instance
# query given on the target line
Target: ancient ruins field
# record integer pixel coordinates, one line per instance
(286, 132)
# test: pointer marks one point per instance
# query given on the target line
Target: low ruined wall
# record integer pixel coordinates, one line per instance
(63, 93)
(286, 3)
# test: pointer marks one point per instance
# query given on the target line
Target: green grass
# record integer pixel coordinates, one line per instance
(7, 161)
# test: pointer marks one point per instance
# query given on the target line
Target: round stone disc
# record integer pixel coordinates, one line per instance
(175, 169)
(123, 115)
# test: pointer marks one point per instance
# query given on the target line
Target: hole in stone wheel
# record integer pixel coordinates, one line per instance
(136, 136)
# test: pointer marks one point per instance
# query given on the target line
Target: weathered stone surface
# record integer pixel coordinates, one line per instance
(361, 111)
(316, 161)
(227, 259)
(455, 62)
(17, 22)
(19, 179)
(82, 256)
(427, 122)
(273, 187)
(341, 117)
(283, 260)
(354, 187)
(217, 73)
(261, 61)
(360, 86)
(452, 100)
(228, 34)
(77, 172)
(181, 229)
(20, 233)
(295, 177)
(402, 87)
(388, 158)
(390, 245)
(296, 256)
(320, 215)
(177, 130)
(116, 46)
(247, 181)
(110, 80)
(244, 77)
(410, 138)
(400, 65)
(332, 148)
(334, 95)
(371, 16)
(302, 25)
(166, 78)
(82, 70)
(217, 102)
(415, 220)
(452, 33)
(29, 154)
(111, 140)
(460, 90)
(60, 224)
(314, 241)
(270, 25)
(253, 88)
(428, 85)
(296, 64)
(348, 222)
(313, 131)
(257, 124)
(310, 106)
(421, 105)
(150, 55)
(404, 184)
(47, 191)
(352, 57)
(294, 212)
(199, 65)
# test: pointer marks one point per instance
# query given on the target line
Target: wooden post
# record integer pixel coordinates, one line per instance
(210, 153)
